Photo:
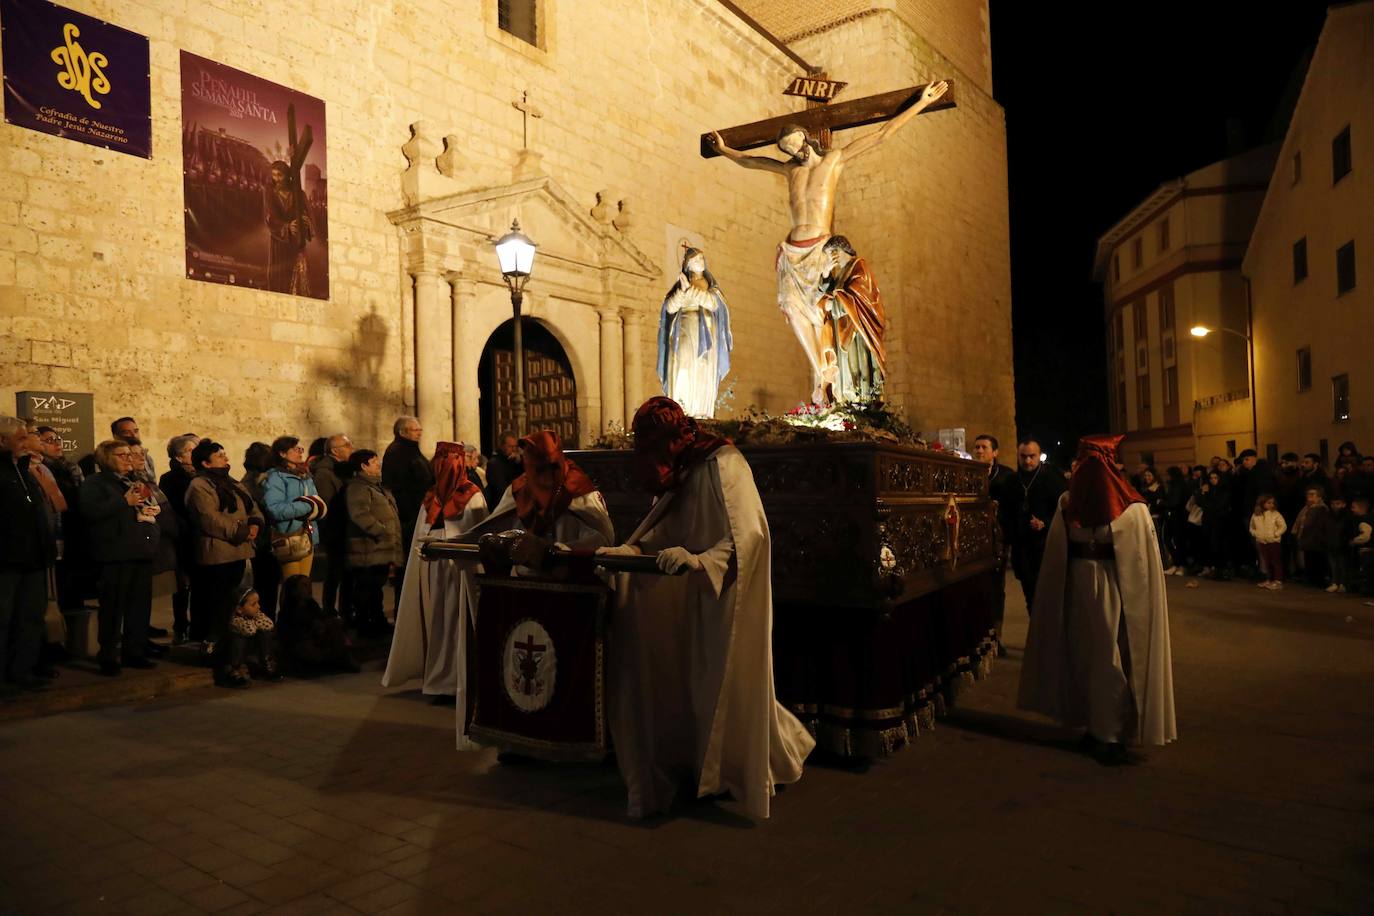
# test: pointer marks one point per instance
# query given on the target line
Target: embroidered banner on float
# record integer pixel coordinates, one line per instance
(77, 77)
(253, 166)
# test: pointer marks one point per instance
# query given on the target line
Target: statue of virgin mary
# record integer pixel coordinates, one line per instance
(694, 339)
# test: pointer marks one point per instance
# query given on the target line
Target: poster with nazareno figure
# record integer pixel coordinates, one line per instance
(253, 166)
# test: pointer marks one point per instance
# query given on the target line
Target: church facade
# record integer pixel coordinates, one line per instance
(430, 160)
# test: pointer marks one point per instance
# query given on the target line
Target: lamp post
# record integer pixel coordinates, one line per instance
(1202, 330)
(515, 252)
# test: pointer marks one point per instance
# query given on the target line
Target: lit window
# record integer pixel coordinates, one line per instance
(1340, 398)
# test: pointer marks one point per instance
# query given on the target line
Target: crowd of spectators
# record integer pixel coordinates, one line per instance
(1296, 521)
(236, 552)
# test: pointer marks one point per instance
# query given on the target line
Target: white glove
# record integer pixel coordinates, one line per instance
(624, 550)
(676, 558)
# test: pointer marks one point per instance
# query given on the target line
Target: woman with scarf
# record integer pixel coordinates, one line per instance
(292, 505)
(226, 521)
(121, 517)
(374, 539)
(432, 622)
(553, 501)
(691, 699)
(1097, 654)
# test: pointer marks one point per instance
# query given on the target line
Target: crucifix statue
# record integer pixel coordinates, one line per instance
(813, 174)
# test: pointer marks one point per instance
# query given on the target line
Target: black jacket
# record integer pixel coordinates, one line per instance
(1033, 495)
(116, 535)
(408, 474)
(999, 478)
(27, 542)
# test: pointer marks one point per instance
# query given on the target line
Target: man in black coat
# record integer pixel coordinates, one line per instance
(331, 475)
(502, 469)
(122, 521)
(27, 547)
(1033, 494)
(1253, 479)
(985, 449)
(408, 474)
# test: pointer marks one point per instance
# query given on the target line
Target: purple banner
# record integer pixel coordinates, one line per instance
(253, 166)
(74, 76)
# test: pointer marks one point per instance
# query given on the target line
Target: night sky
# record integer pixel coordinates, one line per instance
(1100, 111)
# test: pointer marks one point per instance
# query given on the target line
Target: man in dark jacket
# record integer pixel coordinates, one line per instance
(1253, 479)
(331, 473)
(173, 484)
(27, 548)
(985, 449)
(1312, 474)
(502, 469)
(121, 517)
(1034, 495)
(408, 474)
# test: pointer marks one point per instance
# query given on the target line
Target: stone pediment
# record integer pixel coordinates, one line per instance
(565, 232)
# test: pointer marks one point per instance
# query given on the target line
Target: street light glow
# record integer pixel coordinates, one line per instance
(1201, 330)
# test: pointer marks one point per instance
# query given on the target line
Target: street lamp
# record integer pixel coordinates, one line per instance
(1202, 330)
(515, 252)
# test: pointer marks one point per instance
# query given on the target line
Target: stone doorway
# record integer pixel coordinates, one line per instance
(550, 385)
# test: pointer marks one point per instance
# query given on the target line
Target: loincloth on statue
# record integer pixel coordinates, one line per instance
(800, 269)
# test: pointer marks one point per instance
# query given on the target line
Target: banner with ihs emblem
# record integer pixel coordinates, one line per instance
(75, 76)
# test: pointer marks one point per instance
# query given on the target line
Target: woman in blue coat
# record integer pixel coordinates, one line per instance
(292, 505)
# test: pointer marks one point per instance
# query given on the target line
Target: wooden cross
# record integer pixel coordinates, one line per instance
(527, 111)
(819, 120)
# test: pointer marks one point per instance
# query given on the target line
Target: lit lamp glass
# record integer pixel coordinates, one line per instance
(515, 251)
(1200, 330)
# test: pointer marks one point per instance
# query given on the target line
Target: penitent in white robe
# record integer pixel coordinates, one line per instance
(1097, 654)
(691, 681)
(430, 639)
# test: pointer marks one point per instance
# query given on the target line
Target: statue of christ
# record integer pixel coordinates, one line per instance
(812, 178)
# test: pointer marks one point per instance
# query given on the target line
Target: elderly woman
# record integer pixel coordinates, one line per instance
(292, 504)
(226, 521)
(179, 475)
(121, 517)
(170, 529)
(374, 540)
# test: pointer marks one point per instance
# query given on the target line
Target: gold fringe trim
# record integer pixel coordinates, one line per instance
(930, 703)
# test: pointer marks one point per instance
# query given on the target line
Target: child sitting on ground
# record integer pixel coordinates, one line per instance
(250, 633)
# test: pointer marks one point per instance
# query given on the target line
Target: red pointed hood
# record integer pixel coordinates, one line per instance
(1098, 493)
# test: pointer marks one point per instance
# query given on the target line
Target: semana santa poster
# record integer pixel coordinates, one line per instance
(76, 77)
(253, 166)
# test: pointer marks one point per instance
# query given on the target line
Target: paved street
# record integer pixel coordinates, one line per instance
(335, 796)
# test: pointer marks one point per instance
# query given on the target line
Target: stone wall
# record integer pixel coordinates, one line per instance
(92, 289)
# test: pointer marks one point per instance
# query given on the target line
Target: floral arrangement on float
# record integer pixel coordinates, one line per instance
(868, 420)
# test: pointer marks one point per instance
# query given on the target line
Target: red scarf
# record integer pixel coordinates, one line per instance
(451, 491)
(668, 444)
(550, 483)
(1098, 493)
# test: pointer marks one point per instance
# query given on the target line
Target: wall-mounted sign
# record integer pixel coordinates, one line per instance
(77, 77)
(71, 414)
(813, 88)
